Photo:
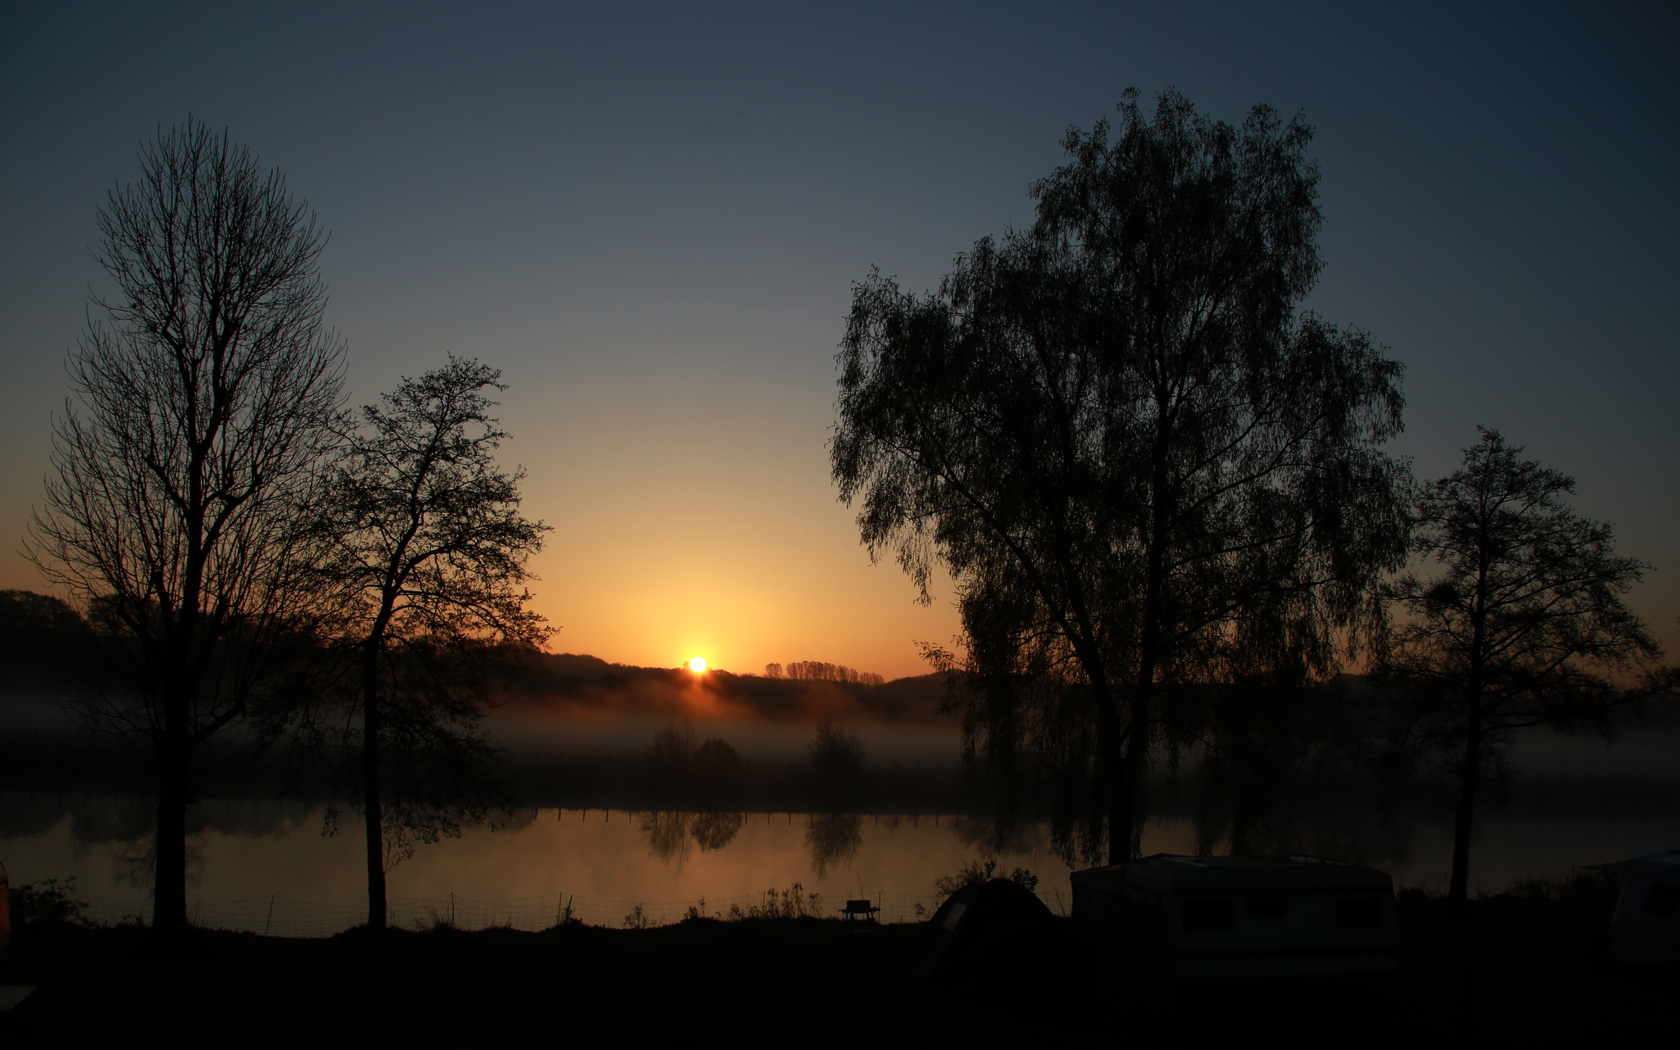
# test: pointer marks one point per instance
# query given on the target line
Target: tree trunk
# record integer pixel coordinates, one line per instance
(1135, 809)
(1136, 762)
(370, 791)
(1458, 890)
(169, 888)
(1125, 830)
(1111, 754)
(1113, 793)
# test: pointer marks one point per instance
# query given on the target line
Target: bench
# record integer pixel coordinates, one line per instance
(853, 909)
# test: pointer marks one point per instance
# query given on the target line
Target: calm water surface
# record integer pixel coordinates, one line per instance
(267, 865)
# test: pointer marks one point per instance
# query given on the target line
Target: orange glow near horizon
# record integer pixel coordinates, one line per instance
(697, 665)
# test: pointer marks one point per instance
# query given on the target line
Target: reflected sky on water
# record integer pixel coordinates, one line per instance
(250, 850)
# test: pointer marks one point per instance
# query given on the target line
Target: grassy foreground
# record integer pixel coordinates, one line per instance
(1529, 969)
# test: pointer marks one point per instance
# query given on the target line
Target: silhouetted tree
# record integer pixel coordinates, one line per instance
(205, 395)
(1522, 624)
(836, 756)
(717, 770)
(669, 754)
(41, 636)
(706, 770)
(716, 758)
(836, 759)
(1140, 463)
(430, 555)
(819, 671)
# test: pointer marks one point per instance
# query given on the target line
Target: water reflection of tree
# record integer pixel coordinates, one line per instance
(669, 833)
(1287, 769)
(1264, 763)
(126, 826)
(713, 831)
(666, 832)
(994, 835)
(832, 840)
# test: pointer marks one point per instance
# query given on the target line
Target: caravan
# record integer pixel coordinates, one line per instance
(1646, 928)
(1167, 920)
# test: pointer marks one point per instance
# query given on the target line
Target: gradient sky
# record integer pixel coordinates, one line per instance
(650, 216)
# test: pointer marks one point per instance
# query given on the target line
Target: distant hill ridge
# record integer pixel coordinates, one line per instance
(590, 680)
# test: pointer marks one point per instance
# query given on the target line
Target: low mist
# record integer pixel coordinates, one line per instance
(581, 705)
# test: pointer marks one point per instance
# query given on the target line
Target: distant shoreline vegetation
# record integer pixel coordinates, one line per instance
(817, 671)
(801, 691)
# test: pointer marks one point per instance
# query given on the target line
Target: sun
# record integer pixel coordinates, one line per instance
(697, 665)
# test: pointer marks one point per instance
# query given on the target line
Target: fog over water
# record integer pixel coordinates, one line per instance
(591, 828)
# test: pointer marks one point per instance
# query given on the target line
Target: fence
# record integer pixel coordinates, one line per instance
(277, 916)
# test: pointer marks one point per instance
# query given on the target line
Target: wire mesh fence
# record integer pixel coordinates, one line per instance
(277, 916)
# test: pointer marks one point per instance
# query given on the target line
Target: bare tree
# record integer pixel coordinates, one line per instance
(1522, 623)
(431, 553)
(205, 395)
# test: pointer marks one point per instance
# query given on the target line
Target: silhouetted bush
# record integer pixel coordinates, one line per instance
(974, 872)
(47, 902)
(791, 903)
(1577, 886)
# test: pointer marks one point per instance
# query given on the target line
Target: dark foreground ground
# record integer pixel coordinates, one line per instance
(1536, 974)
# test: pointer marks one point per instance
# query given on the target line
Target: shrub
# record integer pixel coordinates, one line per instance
(791, 903)
(974, 871)
(48, 901)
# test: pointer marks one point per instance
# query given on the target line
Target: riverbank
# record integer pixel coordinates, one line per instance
(1536, 969)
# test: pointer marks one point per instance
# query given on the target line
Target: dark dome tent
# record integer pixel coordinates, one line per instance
(994, 932)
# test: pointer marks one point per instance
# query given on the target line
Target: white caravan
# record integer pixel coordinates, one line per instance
(1168, 920)
(1646, 928)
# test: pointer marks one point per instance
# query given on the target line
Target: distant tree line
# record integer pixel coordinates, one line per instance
(818, 671)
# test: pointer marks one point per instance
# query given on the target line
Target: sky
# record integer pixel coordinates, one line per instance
(650, 217)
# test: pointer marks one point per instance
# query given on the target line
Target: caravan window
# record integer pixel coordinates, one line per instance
(1202, 914)
(1662, 898)
(1359, 913)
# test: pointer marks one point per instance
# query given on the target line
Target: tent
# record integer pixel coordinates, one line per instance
(995, 932)
(1646, 928)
